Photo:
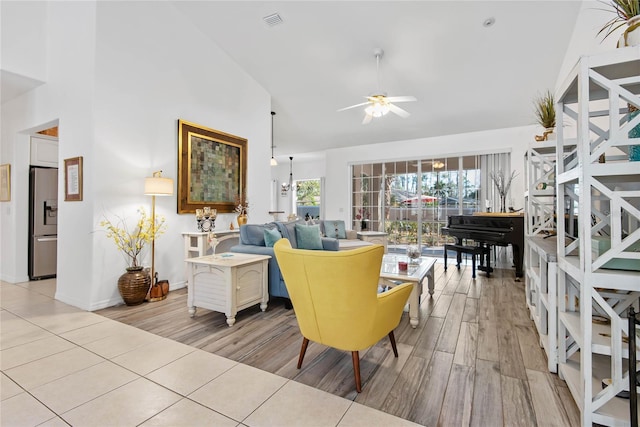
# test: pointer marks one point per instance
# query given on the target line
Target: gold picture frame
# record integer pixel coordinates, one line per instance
(73, 179)
(5, 183)
(212, 168)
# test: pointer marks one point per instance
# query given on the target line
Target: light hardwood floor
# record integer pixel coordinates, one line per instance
(473, 360)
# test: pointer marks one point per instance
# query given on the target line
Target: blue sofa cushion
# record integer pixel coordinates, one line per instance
(288, 231)
(335, 229)
(252, 234)
(271, 236)
(308, 237)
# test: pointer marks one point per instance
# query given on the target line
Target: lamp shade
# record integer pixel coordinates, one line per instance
(158, 186)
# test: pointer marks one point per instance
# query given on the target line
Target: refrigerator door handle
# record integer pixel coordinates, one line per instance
(46, 239)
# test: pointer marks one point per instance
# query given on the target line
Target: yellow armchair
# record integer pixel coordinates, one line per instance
(335, 298)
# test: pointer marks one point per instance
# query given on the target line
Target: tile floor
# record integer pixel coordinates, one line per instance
(64, 366)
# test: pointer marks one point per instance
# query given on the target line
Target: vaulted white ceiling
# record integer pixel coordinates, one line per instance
(466, 76)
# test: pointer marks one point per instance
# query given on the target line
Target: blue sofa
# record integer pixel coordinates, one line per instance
(252, 242)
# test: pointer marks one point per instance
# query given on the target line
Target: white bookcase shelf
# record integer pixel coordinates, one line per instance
(604, 199)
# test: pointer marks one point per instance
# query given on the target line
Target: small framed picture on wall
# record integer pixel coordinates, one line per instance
(5, 183)
(73, 179)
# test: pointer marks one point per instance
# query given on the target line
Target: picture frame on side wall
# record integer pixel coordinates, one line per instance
(73, 179)
(5, 183)
(212, 168)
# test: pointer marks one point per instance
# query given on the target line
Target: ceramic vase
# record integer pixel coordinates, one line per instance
(242, 219)
(134, 285)
(631, 37)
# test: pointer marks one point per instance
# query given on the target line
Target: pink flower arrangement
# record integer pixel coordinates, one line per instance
(362, 214)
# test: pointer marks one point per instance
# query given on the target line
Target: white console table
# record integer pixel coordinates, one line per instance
(376, 237)
(227, 283)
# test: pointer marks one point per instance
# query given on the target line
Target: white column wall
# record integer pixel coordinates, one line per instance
(141, 69)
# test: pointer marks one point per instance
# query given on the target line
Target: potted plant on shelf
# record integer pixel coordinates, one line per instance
(136, 282)
(545, 112)
(626, 12)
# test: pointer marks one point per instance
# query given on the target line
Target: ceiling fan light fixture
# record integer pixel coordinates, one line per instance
(377, 109)
(380, 104)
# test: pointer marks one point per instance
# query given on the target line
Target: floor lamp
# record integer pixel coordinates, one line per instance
(156, 186)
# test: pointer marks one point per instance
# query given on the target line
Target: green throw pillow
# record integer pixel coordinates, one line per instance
(271, 236)
(308, 236)
(335, 229)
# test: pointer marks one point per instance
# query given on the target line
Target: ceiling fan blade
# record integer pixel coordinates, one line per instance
(399, 111)
(367, 119)
(401, 98)
(354, 106)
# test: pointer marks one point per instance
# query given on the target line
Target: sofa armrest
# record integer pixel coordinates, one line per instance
(253, 249)
(352, 234)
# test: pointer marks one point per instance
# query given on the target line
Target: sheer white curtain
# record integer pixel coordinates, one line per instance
(493, 163)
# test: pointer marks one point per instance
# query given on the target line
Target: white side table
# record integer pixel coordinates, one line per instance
(196, 244)
(377, 237)
(227, 283)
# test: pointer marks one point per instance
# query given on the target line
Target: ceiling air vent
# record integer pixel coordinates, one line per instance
(273, 19)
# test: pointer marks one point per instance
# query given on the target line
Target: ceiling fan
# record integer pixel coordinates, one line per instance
(379, 104)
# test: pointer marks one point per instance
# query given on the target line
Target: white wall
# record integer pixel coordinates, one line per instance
(142, 68)
(26, 53)
(585, 39)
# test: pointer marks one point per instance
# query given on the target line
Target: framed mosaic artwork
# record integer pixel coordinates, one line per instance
(212, 168)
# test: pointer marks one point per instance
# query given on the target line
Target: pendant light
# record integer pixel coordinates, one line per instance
(274, 162)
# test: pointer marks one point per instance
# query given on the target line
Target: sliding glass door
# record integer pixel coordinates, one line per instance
(412, 200)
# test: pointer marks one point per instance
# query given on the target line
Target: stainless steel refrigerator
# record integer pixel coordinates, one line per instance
(43, 222)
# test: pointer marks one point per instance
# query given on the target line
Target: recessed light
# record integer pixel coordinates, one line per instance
(489, 22)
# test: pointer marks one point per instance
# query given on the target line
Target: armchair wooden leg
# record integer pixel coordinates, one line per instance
(303, 350)
(392, 338)
(355, 356)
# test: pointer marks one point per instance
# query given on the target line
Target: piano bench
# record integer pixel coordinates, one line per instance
(483, 251)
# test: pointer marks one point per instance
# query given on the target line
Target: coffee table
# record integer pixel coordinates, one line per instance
(415, 274)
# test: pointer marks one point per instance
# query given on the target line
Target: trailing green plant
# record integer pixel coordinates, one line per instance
(545, 110)
(623, 10)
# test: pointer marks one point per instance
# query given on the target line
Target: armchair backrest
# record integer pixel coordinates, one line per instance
(334, 294)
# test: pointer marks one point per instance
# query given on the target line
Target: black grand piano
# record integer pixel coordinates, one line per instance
(491, 229)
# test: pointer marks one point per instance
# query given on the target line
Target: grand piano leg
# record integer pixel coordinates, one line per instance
(485, 259)
(445, 258)
(517, 261)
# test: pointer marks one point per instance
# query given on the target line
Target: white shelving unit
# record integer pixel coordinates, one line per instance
(540, 242)
(541, 293)
(605, 198)
(540, 194)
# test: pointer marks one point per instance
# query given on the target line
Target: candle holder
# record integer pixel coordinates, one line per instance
(206, 219)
